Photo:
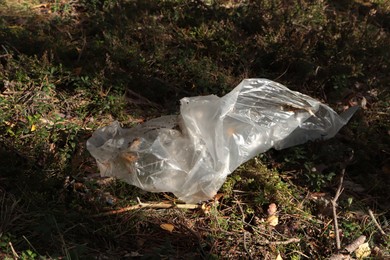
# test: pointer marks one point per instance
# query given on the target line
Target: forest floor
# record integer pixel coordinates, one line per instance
(68, 67)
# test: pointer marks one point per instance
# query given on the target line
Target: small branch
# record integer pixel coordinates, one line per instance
(140, 100)
(141, 205)
(289, 241)
(349, 249)
(243, 221)
(245, 247)
(16, 256)
(281, 75)
(355, 244)
(334, 205)
(340, 257)
(376, 222)
(5, 55)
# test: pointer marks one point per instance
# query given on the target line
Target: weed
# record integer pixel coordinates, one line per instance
(317, 180)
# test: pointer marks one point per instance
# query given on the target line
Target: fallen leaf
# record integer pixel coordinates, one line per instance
(316, 195)
(279, 257)
(52, 147)
(363, 103)
(206, 208)
(77, 71)
(218, 196)
(46, 121)
(33, 128)
(9, 124)
(273, 220)
(272, 208)
(377, 252)
(363, 251)
(167, 227)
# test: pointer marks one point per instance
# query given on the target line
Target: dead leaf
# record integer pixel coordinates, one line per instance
(218, 196)
(272, 208)
(316, 195)
(167, 227)
(206, 208)
(373, 92)
(77, 71)
(273, 220)
(78, 186)
(363, 251)
(363, 103)
(9, 124)
(52, 147)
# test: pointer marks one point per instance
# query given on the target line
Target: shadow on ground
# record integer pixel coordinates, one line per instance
(154, 53)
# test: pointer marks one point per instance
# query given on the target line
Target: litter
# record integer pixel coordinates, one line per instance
(191, 154)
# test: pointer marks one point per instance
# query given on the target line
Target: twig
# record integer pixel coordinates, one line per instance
(355, 244)
(243, 221)
(141, 205)
(241, 210)
(289, 241)
(25, 238)
(334, 205)
(376, 222)
(16, 256)
(340, 257)
(300, 253)
(199, 237)
(84, 38)
(246, 249)
(278, 77)
(141, 100)
(349, 249)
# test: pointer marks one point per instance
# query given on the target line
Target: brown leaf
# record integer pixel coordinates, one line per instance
(167, 227)
(272, 208)
(218, 196)
(77, 71)
(206, 208)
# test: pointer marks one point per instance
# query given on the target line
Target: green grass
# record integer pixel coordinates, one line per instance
(69, 67)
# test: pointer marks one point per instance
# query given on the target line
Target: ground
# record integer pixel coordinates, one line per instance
(70, 67)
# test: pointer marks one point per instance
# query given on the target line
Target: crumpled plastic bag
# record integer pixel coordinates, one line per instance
(191, 154)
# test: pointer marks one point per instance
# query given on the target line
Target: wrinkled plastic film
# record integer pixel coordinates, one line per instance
(191, 154)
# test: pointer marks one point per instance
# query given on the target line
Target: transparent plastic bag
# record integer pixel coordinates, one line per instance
(191, 154)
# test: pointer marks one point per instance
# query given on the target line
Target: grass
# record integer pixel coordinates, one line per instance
(69, 67)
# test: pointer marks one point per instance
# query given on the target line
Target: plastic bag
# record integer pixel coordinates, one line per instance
(191, 154)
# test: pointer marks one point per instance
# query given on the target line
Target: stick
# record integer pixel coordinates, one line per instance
(289, 241)
(243, 221)
(376, 222)
(141, 99)
(340, 257)
(246, 249)
(334, 205)
(16, 256)
(349, 248)
(355, 244)
(141, 205)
